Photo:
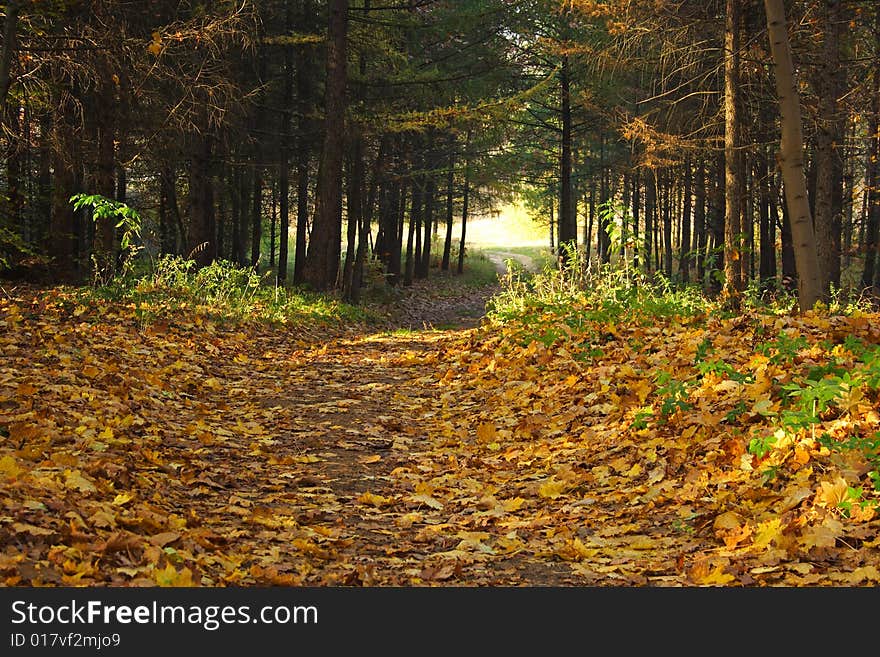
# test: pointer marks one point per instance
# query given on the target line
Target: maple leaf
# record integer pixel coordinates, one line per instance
(372, 499)
(74, 479)
(767, 532)
(171, 577)
(9, 468)
(552, 489)
(832, 493)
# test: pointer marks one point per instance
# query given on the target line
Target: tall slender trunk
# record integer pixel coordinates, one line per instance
(355, 213)
(734, 282)
(202, 230)
(872, 180)
(105, 183)
(284, 154)
(414, 223)
(414, 236)
(10, 27)
(464, 203)
(428, 216)
(829, 141)
(791, 154)
(684, 263)
(273, 227)
(766, 247)
(667, 226)
(450, 204)
(567, 216)
(700, 219)
(322, 257)
(650, 209)
(636, 214)
(62, 243)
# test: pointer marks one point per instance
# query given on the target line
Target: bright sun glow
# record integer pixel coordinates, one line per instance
(511, 227)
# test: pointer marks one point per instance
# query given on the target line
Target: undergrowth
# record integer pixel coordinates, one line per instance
(225, 292)
(817, 382)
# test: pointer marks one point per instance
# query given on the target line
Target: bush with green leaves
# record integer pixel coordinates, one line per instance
(125, 219)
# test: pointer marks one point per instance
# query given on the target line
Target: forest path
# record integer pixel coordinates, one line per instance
(190, 452)
(499, 258)
(350, 486)
(442, 302)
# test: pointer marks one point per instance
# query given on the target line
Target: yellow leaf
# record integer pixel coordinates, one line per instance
(74, 479)
(373, 499)
(727, 520)
(9, 467)
(767, 532)
(213, 383)
(862, 573)
(575, 550)
(169, 576)
(552, 489)
(822, 536)
(21, 527)
(26, 390)
(486, 433)
(831, 493)
(122, 498)
(426, 500)
(513, 504)
(163, 539)
(716, 577)
(91, 371)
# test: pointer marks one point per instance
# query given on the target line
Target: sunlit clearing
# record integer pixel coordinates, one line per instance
(510, 227)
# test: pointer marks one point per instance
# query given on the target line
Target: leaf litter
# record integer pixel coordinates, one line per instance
(665, 453)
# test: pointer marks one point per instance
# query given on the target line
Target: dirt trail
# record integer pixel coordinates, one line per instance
(499, 258)
(339, 486)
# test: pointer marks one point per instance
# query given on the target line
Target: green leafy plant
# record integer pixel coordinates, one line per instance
(125, 218)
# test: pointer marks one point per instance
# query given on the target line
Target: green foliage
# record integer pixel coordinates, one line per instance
(126, 219)
(673, 394)
(761, 446)
(13, 248)
(784, 349)
(868, 447)
(607, 294)
(228, 292)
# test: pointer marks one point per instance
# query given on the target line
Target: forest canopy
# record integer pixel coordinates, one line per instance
(310, 138)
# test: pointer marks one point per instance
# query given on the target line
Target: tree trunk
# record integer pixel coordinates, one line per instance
(62, 243)
(792, 159)
(428, 216)
(829, 142)
(355, 213)
(284, 155)
(685, 255)
(450, 205)
(464, 203)
(10, 28)
(636, 214)
(700, 219)
(650, 209)
(872, 182)
(256, 215)
(105, 183)
(734, 282)
(567, 217)
(322, 259)
(202, 229)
